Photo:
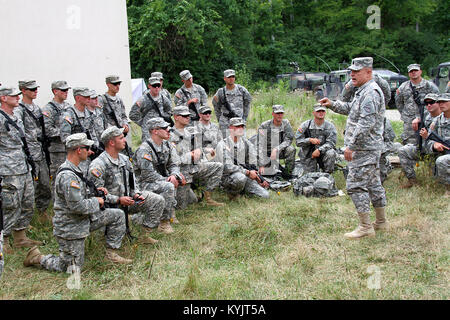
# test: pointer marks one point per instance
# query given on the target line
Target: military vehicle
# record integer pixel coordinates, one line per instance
(334, 83)
(300, 80)
(441, 77)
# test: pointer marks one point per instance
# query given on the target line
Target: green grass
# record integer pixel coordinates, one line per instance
(285, 247)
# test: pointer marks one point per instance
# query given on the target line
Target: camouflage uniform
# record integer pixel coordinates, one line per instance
(17, 184)
(239, 100)
(98, 120)
(76, 215)
(148, 176)
(144, 109)
(109, 173)
(442, 129)
(234, 180)
(167, 94)
(273, 137)
(112, 104)
(33, 133)
(184, 94)
(364, 136)
(327, 135)
(203, 172)
(210, 135)
(408, 108)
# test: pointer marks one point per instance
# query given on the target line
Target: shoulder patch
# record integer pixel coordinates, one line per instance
(262, 132)
(68, 119)
(300, 129)
(96, 173)
(45, 113)
(75, 184)
(178, 95)
(147, 157)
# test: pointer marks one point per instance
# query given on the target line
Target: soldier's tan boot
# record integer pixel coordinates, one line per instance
(146, 239)
(21, 240)
(165, 227)
(6, 247)
(33, 257)
(410, 183)
(113, 256)
(380, 222)
(365, 228)
(210, 201)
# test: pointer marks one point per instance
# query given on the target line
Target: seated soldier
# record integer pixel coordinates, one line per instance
(317, 138)
(274, 141)
(78, 213)
(210, 133)
(238, 155)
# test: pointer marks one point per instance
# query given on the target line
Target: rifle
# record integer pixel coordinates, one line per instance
(192, 107)
(420, 105)
(435, 137)
(313, 147)
(247, 165)
(166, 119)
(231, 113)
(25, 148)
(113, 115)
(284, 172)
(2, 260)
(127, 193)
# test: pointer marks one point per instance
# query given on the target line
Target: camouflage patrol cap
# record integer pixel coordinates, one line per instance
(28, 84)
(185, 75)
(81, 91)
(110, 133)
(360, 63)
(93, 94)
(158, 122)
(229, 73)
(443, 97)
(431, 96)
(113, 79)
(413, 66)
(78, 140)
(60, 85)
(153, 80)
(277, 108)
(322, 183)
(181, 111)
(236, 122)
(157, 75)
(9, 91)
(204, 109)
(318, 107)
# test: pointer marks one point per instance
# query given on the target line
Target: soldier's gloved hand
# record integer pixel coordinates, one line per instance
(126, 201)
(104, 190)
(101, 201)
(315, 154)
(415, 124)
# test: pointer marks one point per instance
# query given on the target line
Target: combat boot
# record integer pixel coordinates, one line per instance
(146, 239)
(44, 217)
(410, 183)
(113, 256)
(210, 201)
(21, 240)
(33, 257)
(6, 247)
(365, 228)
(165, 227)
(380, 222)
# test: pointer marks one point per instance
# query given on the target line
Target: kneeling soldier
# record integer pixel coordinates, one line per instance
(78, 213)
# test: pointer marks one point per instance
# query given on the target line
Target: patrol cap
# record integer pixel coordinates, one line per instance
(77, 140)
(81, 91)
(60, 85)
(318, 107)
(229, 73)
(158, 122)
(157, 75)
(110, 133)
(181, 111)
(278, 108)
(204, 109)
(443, 97)
(113, 79)
(431, 96)
(93, 94)
(322, 183)
(361, 62)
(28, 84)
(153, 80)
(9, 91)
(413, 66)
(235, 122)
(185, 75)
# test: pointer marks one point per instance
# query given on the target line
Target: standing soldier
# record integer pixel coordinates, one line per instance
(209, 131)
(33, 122)
(151, 105)
(16, 180)
(408, 98)
(157, 169)
(238, 155)
(274, 142)
(231, 101)
(53, 119)
(113, 106)
(113, 171)
(187, 144)
(97, 115)
(191, 95)
(77, 214)
(364, 142)
(164, 91)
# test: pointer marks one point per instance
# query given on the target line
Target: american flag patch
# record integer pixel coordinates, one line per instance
(96, 173)
(45, 113)
(147, 157)
(75, 184)
(68, 119)
(300, 129)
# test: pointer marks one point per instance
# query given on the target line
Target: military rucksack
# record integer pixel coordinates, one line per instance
(315, 184)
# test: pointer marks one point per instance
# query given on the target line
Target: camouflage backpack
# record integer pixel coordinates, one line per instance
(315, 184)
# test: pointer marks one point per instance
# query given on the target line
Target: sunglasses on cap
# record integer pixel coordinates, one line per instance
(156, 85)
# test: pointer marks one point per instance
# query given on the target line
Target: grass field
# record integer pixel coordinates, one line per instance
(285, 247)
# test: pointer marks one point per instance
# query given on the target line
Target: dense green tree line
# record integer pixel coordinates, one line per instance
(263, 36)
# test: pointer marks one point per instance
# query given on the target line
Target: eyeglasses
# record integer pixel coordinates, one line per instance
(207, 112)
(156, 85)
(429, 102)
